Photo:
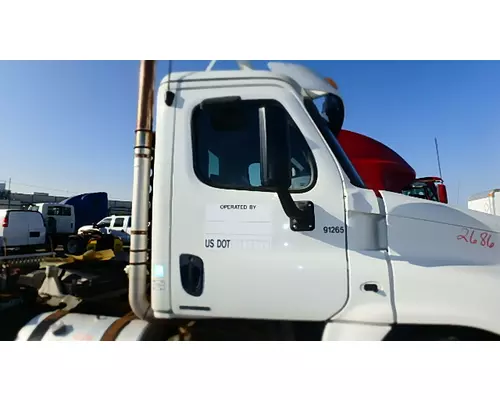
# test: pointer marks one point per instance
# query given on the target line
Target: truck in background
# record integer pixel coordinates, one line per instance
(487, 202)
(59, 222)
(63, 219)
(89, 207)
(380, 166)
(430, 188)
(118, 226)
(111, 224)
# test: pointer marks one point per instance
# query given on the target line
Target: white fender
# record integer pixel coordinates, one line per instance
(455, 312)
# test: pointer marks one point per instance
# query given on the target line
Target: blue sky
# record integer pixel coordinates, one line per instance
(67, 127)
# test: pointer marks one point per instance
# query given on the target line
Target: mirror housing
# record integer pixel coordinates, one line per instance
(276, 168)
(333, 110)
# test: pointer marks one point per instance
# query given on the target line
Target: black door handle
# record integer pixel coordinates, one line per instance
(192, 274)
(371, 287)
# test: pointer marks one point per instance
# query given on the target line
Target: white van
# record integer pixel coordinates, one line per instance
(59, 218)
(22, 229)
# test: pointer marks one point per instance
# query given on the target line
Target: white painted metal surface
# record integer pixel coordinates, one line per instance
(62, 214)
(268, 271)
(486, 202)
(20, 228)
(82, 327)
(445, 261)
(368, 260)
(312, 83)
(348, 331)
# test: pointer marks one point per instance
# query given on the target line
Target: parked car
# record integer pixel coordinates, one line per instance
(22, 229)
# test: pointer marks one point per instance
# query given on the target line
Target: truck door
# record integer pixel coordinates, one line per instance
(66, 218)
(16, 233)
(104, 225)
(117, 224)
(52, 219)
(129, 225)
(118, 227)
(233, 252)
(36, 228)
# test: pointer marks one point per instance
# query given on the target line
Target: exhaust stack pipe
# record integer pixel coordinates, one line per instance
(137, 269)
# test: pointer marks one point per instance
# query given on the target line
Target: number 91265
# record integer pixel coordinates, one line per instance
(333, 229)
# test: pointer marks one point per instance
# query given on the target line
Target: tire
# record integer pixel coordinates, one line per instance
(106, 242)
(440, 338)
(75, 246)
(30, 249)
(51, 226)
(438, 334)
(49, 243)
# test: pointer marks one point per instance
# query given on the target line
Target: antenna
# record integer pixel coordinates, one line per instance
(211, 65)
(438, 160)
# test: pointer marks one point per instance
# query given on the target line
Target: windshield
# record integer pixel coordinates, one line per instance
(421, 191)
(104, 223)
(333, 143)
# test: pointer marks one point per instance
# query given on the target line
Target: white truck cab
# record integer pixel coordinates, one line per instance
(118, 225)
(258, 214)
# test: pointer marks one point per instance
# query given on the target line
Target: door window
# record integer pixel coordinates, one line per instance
(119, 222)
(66, 211)
(54, 210)
(226, 147)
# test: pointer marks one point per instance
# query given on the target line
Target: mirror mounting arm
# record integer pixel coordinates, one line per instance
(301, 213)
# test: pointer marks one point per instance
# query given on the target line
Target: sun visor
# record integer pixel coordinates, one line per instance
(313, 84)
